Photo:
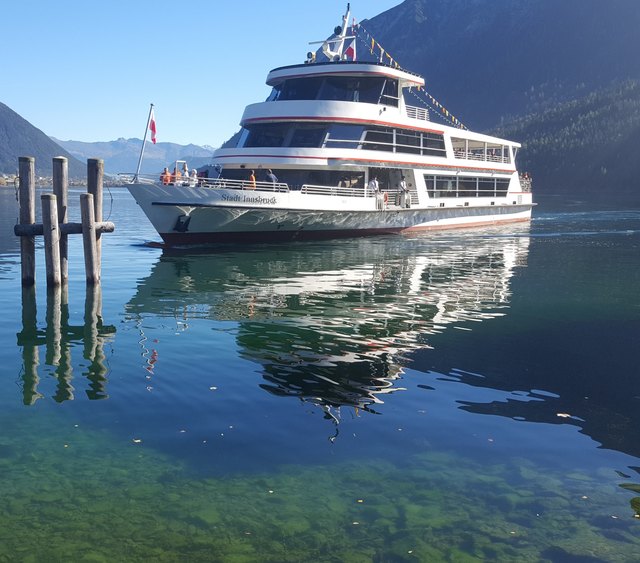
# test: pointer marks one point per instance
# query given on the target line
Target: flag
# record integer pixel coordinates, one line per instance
(152, 127)
(350, 52)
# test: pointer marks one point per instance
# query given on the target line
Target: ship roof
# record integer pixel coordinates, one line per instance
(352, 68)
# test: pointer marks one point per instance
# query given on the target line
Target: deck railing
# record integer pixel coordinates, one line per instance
(246, 185)
(342, 191)
(417, 113)
(481, 156)
(228, 184)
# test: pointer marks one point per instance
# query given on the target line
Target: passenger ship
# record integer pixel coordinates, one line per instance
(336, 151)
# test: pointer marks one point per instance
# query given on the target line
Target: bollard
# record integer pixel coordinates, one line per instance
(95, 175)
(61, 189)
(26, 167)
(91, 260)
(51, 233)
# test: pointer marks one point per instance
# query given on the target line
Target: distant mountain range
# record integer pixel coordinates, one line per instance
(19, 138)
(122, 155)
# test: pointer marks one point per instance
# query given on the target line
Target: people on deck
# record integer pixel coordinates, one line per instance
(373, 186)
(404, 193)
(176, 175)
(165, 177)
(252, 180)
(271, 177)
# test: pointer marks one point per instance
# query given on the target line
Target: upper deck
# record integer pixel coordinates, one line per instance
(344, 68)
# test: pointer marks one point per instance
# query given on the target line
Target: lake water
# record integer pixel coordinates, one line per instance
(456, 396)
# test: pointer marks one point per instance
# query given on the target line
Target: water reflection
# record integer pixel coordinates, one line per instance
(332, 323)
(58, 337)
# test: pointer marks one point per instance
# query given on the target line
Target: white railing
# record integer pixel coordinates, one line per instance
(335, 191)
(417, 113)
(227, 184)
(480, 156)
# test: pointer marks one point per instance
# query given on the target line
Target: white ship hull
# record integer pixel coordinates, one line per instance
(185, 215)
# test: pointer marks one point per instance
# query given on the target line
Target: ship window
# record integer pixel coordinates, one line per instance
(344, 136)
(467, 187)
(486, 186)
(433, 144)
(308, 136)
(470, 149)
(244, 133)
(299, 89)
(266, 135)
(379, 139)
(430, 184)
(408, 141)
(352, 89)
(502, 185)
(390, 93)
(446, 186)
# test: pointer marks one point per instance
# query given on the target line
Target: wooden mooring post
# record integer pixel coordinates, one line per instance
(55, 227)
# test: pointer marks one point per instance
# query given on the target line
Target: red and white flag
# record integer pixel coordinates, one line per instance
(350, 51)
(152, 127)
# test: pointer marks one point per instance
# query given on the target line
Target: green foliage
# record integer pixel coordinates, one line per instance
(585, 146)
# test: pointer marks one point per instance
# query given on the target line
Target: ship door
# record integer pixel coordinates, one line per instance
(388, 178)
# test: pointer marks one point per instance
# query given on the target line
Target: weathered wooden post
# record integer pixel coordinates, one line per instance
(95, 176)
(51, 233)
(26, 170)
(61, 189)
(91, 260)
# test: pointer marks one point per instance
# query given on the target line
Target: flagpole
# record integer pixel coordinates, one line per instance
(144, 140)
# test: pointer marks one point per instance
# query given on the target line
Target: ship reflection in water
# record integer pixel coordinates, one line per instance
(333, 323)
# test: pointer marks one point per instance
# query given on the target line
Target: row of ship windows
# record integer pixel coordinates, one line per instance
(316, 135)
(368, 90)
(462, 186)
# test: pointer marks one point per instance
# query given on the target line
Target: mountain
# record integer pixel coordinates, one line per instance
(122, 155)
(19, 138)
(490, 60)
(559, 76)
(585, 147)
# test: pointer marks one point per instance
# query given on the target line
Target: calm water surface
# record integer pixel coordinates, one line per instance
(458, 396)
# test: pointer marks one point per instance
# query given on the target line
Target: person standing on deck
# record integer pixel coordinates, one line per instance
(272, 177)
(165, 177)
(252, 180)
(404, 193)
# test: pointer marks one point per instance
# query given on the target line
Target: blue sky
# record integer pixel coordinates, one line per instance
(87, 70)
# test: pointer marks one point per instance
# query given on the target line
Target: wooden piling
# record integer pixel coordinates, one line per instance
(61, 190)
(95, 176)
(51, 233)
(91, 260)
(27, 190)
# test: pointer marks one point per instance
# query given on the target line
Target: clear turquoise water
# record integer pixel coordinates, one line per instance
(459, 396)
